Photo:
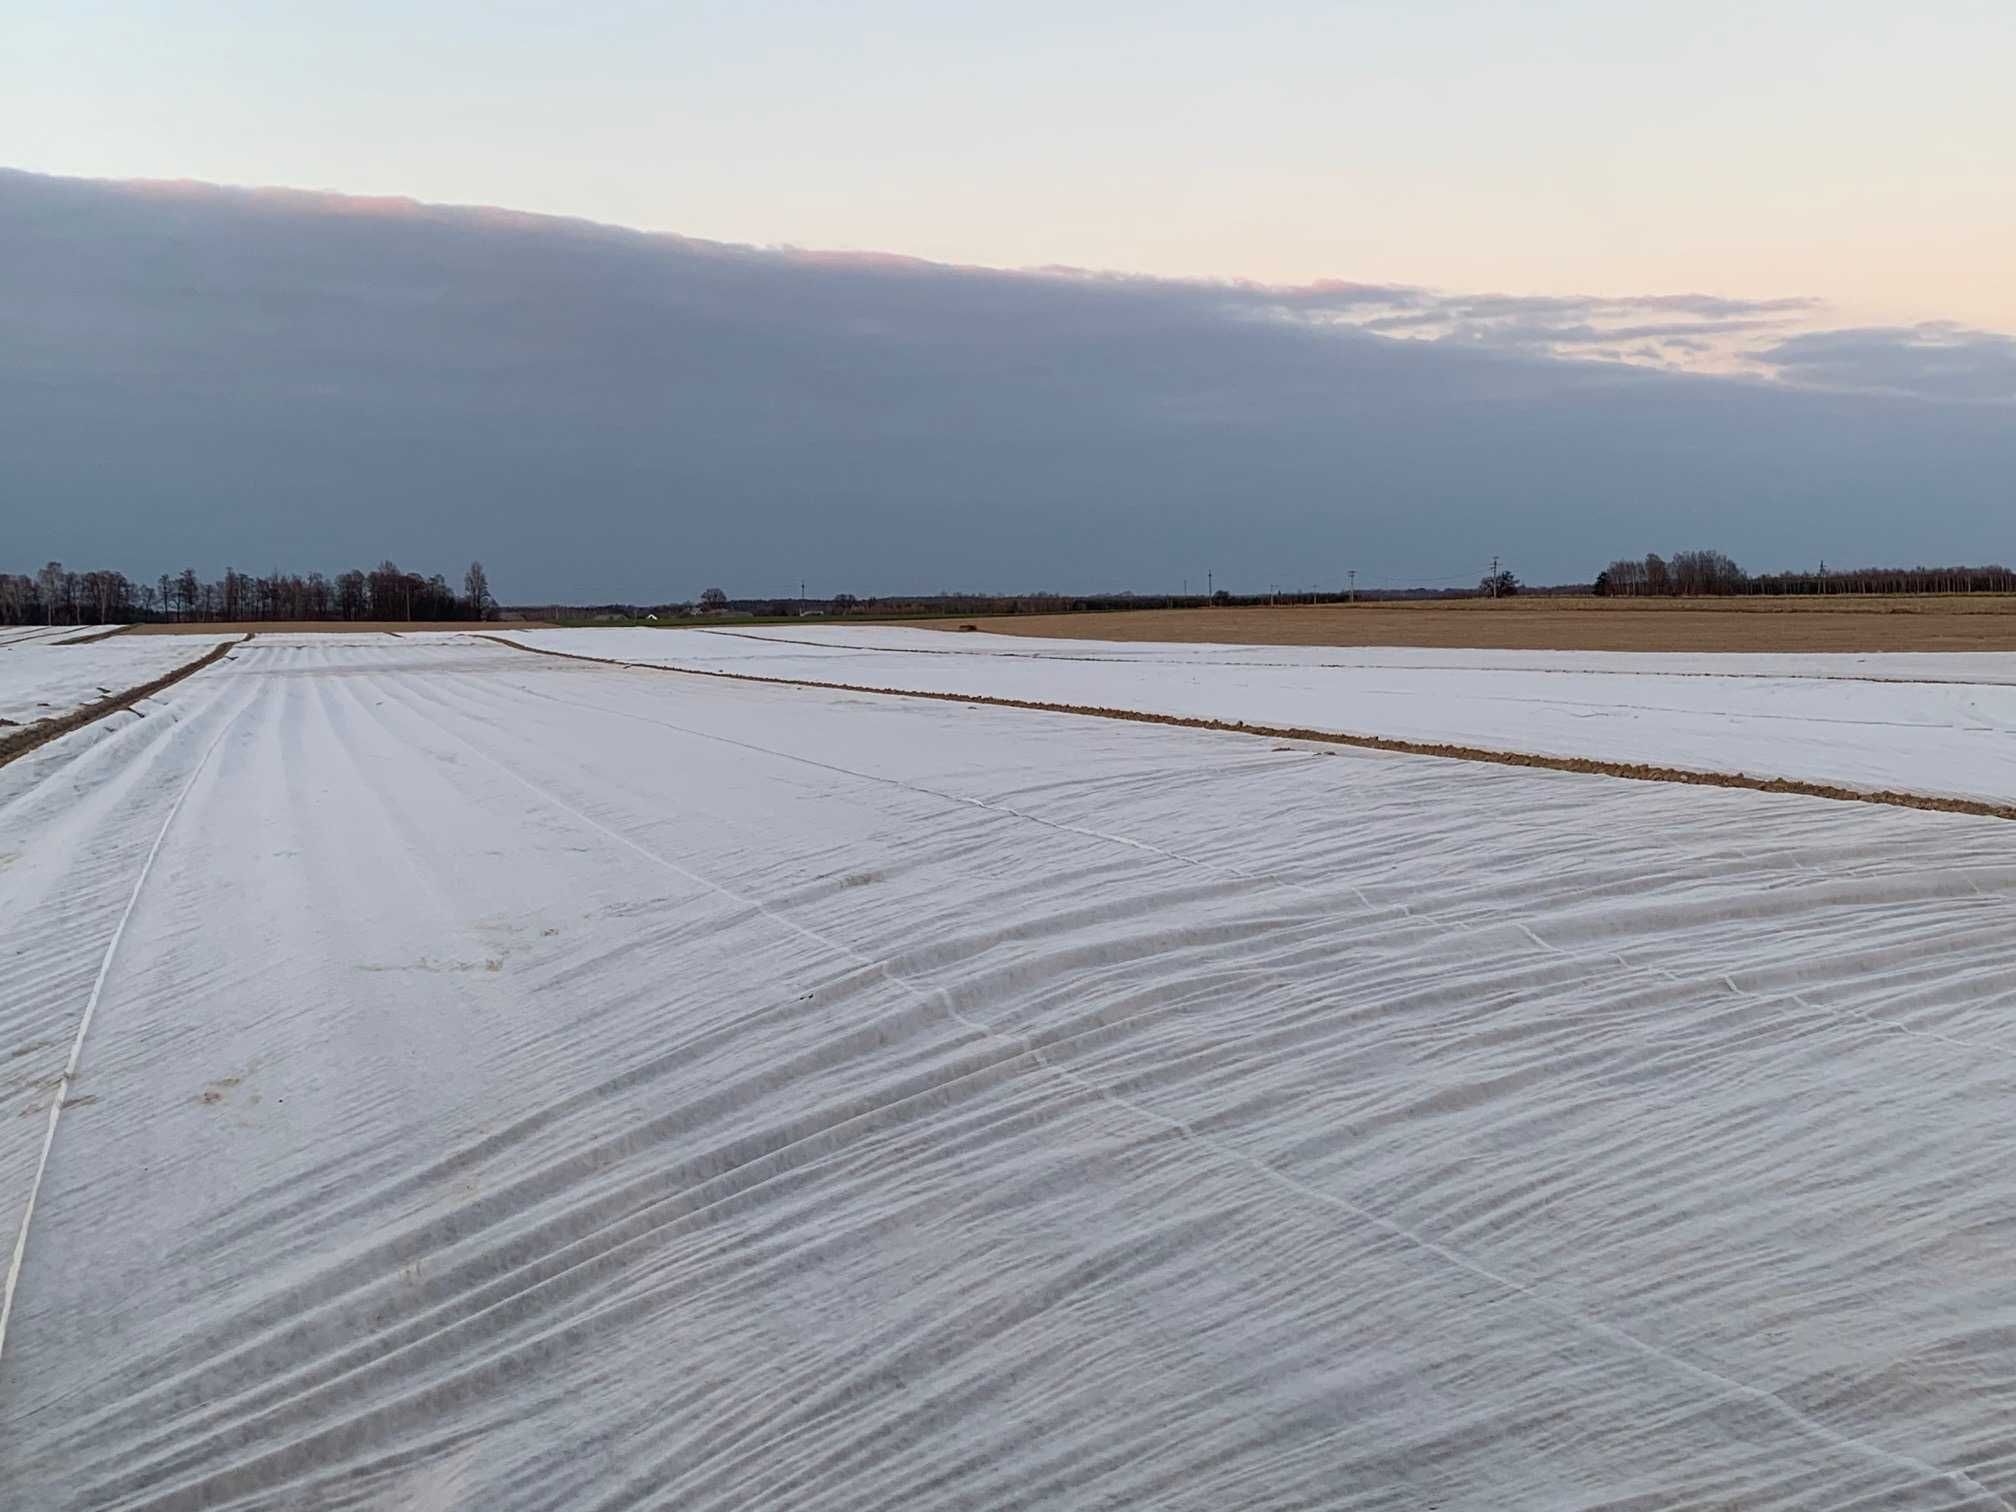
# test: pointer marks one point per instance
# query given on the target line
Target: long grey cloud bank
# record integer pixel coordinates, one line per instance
(259, 378)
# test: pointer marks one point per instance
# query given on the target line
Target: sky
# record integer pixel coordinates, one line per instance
(1861, 152)
(1555, 280)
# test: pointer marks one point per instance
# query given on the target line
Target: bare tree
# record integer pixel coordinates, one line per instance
(476, 589)
(1705, 572)
(49, 583)
(713, 598)
(391, 593)
(352, 595)
(108, 595)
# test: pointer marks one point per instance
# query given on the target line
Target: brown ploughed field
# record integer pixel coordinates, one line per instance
(1973, 622)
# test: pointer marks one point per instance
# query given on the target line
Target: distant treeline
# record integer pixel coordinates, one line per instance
(57, 596)
(911, 605)
(1695, 574)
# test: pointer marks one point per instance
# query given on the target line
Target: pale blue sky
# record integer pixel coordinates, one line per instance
(1858, 151)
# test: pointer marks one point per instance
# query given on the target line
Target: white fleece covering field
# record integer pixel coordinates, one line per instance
(504, 1082)
(1938, 724)
(42, 680)
(21, 635)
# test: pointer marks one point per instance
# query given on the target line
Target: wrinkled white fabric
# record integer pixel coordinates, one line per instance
(528, 1084)
(1942, 724)
(42, 680)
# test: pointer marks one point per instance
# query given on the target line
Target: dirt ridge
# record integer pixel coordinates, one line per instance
(19, 743)
(95, 636)
(1630, 771)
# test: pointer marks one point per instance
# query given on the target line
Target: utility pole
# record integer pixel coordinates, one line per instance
(1494, 575)
(1207, 583)
(1353, 576)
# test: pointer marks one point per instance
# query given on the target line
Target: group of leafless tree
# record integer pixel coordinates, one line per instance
(57, 596)
(1694, 574)
(1990, 579)
(1688, 574)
